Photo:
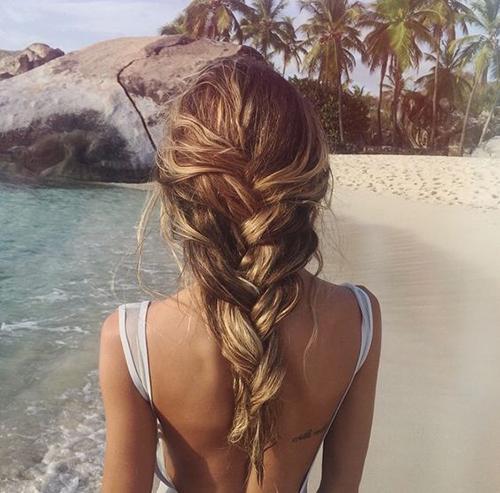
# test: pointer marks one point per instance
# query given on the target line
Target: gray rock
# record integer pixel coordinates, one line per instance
(98, 113)
(13, 63)
(490, 148)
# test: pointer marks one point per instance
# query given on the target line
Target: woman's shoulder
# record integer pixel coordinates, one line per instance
(344, 289)
(342, 300)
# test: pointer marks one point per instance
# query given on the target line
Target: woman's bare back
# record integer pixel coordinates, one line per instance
(192, 390)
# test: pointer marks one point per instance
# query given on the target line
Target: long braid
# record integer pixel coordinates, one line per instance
(242, 204)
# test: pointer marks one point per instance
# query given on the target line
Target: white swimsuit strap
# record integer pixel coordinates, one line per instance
(366, 339)
(143, 307)
(366, 325)
(132, 318)
(133, 338)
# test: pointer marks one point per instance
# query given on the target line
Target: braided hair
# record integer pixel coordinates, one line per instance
(240, 177)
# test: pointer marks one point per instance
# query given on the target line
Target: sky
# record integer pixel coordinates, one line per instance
(74, 24)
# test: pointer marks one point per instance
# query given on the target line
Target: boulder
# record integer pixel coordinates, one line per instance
(490, 148)
(13, 63)
(98, 113)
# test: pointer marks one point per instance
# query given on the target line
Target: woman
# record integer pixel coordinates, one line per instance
(232, 384)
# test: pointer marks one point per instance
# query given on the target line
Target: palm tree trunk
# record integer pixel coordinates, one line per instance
(435, 92)
(392, 71)
(284, 67)
(396, 137)
(487, 122)
(394, 115)
(339, 100)
(466, 117)
(379, 107)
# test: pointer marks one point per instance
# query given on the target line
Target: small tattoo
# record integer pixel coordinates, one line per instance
(309, 433)
(303, 436)
(323, 428)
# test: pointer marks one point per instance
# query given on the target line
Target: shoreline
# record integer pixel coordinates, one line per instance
(468, 181)
(465, 181)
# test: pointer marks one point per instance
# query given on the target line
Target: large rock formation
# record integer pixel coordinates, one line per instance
(13, 63)
(98, 113)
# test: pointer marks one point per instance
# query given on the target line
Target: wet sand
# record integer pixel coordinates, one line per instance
(435, 269)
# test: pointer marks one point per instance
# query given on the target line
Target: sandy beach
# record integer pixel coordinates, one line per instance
(469, 181)
(423, 233)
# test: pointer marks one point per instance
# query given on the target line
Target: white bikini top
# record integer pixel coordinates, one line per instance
(132, 322)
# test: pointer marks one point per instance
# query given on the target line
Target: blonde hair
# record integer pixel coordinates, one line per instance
(240, 176)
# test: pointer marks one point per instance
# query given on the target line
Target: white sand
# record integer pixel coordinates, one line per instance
(435, 268)
(435, 179)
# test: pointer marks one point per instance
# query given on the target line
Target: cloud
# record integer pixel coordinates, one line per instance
(72, 24)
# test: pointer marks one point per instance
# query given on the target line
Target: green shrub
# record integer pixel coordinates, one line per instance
(355, 112)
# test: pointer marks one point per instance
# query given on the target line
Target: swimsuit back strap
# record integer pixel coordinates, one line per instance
(132, 318)
(367, 323)
(366, 332)
(366, 340)
(366, 337)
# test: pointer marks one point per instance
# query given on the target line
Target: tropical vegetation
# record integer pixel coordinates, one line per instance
(452, 106)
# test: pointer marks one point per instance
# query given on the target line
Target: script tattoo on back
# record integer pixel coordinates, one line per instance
(309, 433)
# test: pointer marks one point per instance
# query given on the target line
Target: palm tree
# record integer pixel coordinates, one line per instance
(490, 115)
(291, 48)
(451, 81)
(449, 12)
(402, 22)
(333, 36)
(265, 27)
(215, 19)
(397, 85)
(482, 49)
(377, 55)
(174, 27)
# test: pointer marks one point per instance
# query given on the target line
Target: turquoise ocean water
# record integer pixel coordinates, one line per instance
(66, 261)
